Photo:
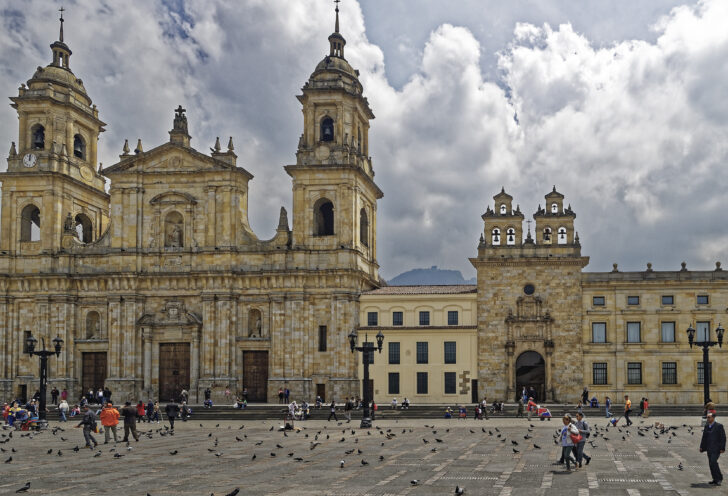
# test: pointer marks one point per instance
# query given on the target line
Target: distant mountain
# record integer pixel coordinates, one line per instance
(433, 275)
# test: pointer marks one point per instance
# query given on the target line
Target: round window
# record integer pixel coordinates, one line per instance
(529, 289)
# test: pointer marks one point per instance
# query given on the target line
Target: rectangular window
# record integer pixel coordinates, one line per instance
(701, 375)
(668, 300)
(450, 382)
(703, 300)
(397, 318)
(598, 301)
(599, 373)
(421, 382)
(371, 353)
(633, 332)
(634, 373)
(372, 319)
(424, 318)
(599, 332)
(452, 317)
(669, 372)
(450, 352)
(26, 335)
(703, 331)
(322, 338)
(667, 334)
(394, 353)
(394, 383)
(633, 300)
(422, 352)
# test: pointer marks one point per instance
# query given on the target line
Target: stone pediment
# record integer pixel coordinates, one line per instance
(173, 198)
(171, 158)
(174, 313)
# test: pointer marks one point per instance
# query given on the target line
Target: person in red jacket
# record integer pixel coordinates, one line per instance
(531, 407)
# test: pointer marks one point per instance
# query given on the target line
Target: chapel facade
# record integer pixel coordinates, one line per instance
(159, 284)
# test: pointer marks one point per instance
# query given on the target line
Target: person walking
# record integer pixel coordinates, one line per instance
(646, 412)
(713, 443)
(348, 407)
(172, 410)
(141, 411)
(88, 422)
(608, 405)
(129, 412)
(584, 430)
(642, 407)
(109, 419)
(567, 444)
(532, 407)
(627, 409)
(332, 411)
(63, 410)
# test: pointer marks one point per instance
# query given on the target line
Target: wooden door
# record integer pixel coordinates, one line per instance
(174, 370)
(93, 373)
(255, 375)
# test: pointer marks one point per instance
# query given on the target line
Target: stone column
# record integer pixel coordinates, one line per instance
(549, 345)
(147, 336)
(207, 357)
(195, 365)
(511, 390)
(211, 216)
(115, 335)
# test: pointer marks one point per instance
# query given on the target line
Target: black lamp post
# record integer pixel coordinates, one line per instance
(43, 354)
(706, 358)
(366, 349)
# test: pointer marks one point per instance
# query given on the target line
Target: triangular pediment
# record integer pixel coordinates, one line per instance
(170, 158)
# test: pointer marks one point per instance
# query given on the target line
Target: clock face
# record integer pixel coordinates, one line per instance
(29, 160)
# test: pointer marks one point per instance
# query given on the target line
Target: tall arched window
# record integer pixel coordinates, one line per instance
(503, 209)
(327, 129)
(30, 223)
(554, 208)
(511, 236)
(79, 147)
(323, 212)
(174, 234)
(363, 227)
(495, 236)
(547, 235)
(562, 235)
(84, 228)
(38, 136)
(93, 325)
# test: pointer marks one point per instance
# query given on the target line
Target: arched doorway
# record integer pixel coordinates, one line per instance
(531, 372)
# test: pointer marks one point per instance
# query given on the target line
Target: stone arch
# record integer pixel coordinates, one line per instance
(255, 323)
(79, 147)
(495, 236)
(531, 372)
(510, 236)
(30, 223)
(323, 212)
(562, 236)
(174, 234)
(327, 129)
(84, 228)
(548, 234)
(363, 227)
(503, 209)
(37, 134)
(554, 208)
(93, 325)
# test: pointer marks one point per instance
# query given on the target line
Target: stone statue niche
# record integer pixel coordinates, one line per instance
(255, 324)
(174, 230)
(93, 325)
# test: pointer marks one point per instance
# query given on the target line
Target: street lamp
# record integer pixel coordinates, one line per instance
(706, 345)
(43, 354)
(366, 349)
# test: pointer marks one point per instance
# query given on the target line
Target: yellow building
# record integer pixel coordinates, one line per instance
(430, 346)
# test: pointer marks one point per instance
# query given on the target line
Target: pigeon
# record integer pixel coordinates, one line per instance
(118, 455)
(414, 482)
(515, 450)
(238, 439)
(98, 454)
(254, 457)
(298, 459)
(425, 441)
(459, 490)
(173, 452)
(438, 440)
(359, 451)
(278, 446)
(514, 443)
(349, 452)
(364, 462)
(218, 454)
(381, 458)
(9, 460)
(341, 464)
(272, 454)
(24, 488)
(259, 443)
(50, 451)
(234, 492)
(537, 446)
(680, 466)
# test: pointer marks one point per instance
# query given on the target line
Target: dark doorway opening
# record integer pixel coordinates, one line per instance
(531, 372)
(93, 372)
(255, 375)
(321, 391)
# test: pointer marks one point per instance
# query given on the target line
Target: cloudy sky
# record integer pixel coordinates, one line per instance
(622, 105)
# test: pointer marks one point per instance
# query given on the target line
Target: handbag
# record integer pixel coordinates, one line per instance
(576, 438)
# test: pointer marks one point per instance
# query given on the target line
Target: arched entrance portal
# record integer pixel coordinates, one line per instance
(531, 372)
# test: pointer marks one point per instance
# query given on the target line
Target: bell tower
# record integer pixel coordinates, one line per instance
(334, 194)
(52, 185)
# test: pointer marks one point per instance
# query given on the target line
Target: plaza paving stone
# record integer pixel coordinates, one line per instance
(467, 456)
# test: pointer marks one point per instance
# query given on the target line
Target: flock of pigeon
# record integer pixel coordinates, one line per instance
(328, 437)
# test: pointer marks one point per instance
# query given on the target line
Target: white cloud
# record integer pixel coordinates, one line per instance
(632, 132)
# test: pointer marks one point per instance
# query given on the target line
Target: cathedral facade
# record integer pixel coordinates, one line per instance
(160, 284)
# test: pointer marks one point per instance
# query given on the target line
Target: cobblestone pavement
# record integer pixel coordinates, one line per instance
(218, 457)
